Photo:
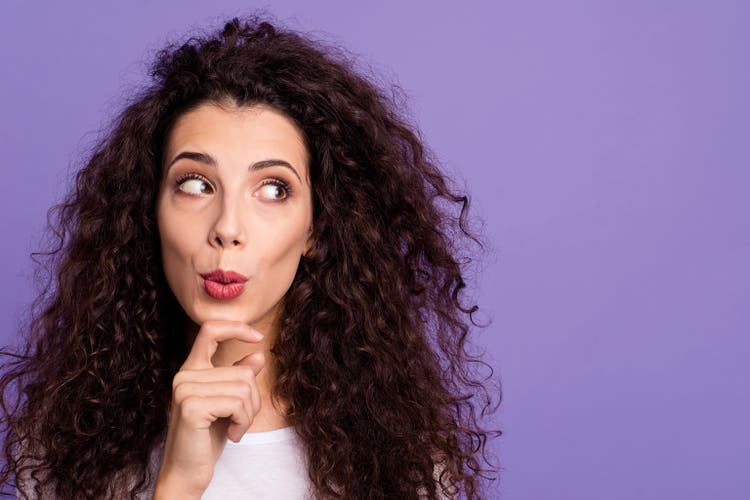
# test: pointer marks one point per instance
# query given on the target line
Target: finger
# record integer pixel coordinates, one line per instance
(240, 390)
(256, 362)
(236, 389)
(210, 334)
(200, 412)
(245, 372)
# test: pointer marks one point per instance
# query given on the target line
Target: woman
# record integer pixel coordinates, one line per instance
(258, 296)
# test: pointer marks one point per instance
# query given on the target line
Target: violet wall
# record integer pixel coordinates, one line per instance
(605, 144)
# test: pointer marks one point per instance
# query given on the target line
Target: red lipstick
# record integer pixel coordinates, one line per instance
(223, 285)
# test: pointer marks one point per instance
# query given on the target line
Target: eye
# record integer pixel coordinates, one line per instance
(193, 181)
(275, 190)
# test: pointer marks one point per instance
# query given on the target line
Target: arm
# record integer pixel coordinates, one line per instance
(169, 490)
(171, 486)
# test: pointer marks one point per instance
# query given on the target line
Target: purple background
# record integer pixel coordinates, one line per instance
(604, 143)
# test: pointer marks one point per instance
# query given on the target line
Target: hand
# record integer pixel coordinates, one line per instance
(209, 405)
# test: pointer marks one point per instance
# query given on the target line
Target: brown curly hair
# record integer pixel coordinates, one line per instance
(372, 351)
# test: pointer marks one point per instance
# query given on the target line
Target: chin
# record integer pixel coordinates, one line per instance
(236, 312)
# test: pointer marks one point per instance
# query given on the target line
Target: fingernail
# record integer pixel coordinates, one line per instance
(258, 335)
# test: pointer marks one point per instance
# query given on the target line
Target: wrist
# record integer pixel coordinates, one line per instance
(168, 489)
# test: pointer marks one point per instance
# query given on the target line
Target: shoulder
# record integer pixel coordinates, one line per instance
(32, 473)
(440, 470)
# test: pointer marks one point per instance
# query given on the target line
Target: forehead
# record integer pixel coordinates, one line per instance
(254, 132)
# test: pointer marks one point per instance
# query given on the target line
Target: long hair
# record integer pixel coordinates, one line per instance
(373, 349)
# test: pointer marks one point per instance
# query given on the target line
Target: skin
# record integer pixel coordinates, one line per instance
(232, 221)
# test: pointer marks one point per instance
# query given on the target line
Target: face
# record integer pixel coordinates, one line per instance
(224, 205)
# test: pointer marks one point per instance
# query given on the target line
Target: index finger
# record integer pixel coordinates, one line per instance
(210, 334)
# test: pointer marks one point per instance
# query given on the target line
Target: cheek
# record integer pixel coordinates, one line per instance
(280, 256)
(170, 237)
(177, 240)
(178, 231)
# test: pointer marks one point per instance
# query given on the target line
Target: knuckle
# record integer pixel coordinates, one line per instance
(208, 328)
(190, 408)
(247, 373)
(177, 380)
(239, 408)
(247, 392)
(178, 393)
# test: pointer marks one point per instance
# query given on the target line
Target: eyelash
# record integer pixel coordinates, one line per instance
(276, 182)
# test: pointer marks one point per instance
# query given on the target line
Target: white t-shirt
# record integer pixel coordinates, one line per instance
(263, 465)
(269, 465)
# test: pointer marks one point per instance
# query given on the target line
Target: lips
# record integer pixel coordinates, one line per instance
(224, 277)
(223, 285)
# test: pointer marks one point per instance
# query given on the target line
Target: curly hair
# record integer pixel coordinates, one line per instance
(372, 352)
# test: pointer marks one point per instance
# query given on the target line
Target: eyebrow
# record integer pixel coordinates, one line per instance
(211, 161)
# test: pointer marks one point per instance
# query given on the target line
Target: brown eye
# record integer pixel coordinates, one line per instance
(194, 183)
(275, 190)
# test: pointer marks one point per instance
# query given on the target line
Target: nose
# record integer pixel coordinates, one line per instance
(227, 229)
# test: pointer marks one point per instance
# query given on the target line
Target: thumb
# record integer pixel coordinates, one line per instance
(256, 359)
